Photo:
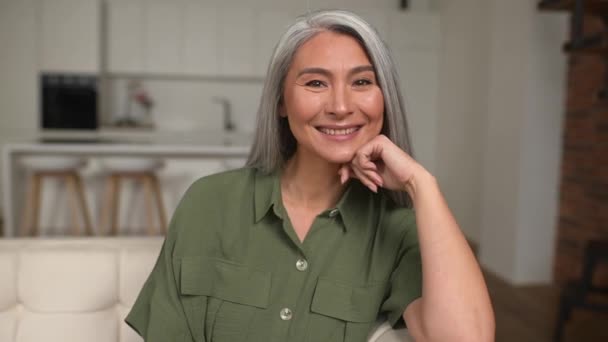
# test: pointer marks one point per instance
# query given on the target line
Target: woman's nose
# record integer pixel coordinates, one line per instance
(340, 102)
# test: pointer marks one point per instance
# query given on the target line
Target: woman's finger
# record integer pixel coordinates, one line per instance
(369, 165)
(365, 165)
(344, 173)
(374, 176)
(370, 151)
(365, 180)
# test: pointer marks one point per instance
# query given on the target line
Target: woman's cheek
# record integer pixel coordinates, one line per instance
(307, 106)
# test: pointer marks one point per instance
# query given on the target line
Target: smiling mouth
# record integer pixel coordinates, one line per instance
(342, 131)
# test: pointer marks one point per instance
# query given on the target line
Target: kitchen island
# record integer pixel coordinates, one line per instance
(186, 157)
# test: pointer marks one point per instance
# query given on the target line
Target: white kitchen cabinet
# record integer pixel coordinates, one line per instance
(269, 27)
(379, 19)
(125, 35)
(237, 41)
(200, 39)
(69, 35)
(163, 36)
(18, 67)
(189, 37)
(413, 31)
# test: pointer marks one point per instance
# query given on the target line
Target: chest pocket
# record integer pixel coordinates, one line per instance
(233, 294)
(344, 312)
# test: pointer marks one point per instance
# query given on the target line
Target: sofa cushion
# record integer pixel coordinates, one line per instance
(68, 278)
(98, 326)
(135, 265)
(8, 285)
(126, 333)
(8, 324)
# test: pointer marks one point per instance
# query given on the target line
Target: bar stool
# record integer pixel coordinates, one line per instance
(142, 170)
(65, 169)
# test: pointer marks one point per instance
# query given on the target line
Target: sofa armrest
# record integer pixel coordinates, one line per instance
(383, 332)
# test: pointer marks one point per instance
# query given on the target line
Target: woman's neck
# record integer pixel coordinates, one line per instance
(313, 184)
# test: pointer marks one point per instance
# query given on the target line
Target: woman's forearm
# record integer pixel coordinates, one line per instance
(455, 305)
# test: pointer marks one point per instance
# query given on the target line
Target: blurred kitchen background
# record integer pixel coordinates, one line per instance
(506, 102)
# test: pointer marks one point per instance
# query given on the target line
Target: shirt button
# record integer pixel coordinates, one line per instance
(333, 213)
(302, 265)
(286, 314)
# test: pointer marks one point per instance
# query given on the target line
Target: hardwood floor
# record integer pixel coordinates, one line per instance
(528, 313)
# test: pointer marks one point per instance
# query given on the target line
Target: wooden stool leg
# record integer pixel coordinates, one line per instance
(26, 211)
(69, 179)
(147, 187)
(159, 204)
(106, 206)
(114, 203)
(84, 208)
(29, 220)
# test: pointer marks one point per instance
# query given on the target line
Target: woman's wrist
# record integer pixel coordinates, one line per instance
(419, 181)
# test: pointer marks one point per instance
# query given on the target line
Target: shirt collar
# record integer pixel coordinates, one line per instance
(353, 207)
(267, 194)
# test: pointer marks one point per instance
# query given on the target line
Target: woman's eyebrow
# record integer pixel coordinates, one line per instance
(327, 73)
(361, 68)
(315, 70)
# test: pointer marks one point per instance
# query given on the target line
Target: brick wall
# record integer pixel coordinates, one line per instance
(584, 179)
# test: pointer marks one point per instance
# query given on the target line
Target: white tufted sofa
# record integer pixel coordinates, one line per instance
(80, 289)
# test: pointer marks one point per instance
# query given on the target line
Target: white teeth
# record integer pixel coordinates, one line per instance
(345, 131)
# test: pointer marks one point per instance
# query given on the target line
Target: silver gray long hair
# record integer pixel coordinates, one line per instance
(274, 143)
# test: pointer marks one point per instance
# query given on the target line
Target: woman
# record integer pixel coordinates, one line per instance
(316, 238)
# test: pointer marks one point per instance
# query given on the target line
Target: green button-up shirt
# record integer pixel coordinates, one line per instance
(232, 268)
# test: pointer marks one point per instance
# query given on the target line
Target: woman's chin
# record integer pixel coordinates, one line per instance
(339, 157)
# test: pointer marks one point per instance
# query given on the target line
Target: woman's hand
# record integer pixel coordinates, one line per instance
(381, 163)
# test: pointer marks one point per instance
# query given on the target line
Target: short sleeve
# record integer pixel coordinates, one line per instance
(158, 314)
(406, 278)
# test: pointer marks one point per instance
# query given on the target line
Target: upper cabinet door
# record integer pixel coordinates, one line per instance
(125, 36)
(378, 18)
(236, 37)
(269, 26)
(163, 36)
(200, 49)
(69, 35)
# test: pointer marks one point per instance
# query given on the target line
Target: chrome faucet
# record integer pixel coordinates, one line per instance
(229, 125)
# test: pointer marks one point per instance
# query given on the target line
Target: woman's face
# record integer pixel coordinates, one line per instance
(331, 98)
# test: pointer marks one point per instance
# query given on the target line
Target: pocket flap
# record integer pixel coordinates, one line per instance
(346, 302)
(224, 280)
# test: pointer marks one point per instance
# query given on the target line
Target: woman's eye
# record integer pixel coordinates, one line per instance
(314, 84)
(363, 82)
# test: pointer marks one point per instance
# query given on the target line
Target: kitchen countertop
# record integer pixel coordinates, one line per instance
(119, 142)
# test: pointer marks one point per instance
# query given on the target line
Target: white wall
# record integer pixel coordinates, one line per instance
(502, 141)
(522, 153)
(462, 108)
(190, 106)
(542, 149)
(501, 93)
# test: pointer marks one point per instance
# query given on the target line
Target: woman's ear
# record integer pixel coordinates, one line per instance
(282, 111)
